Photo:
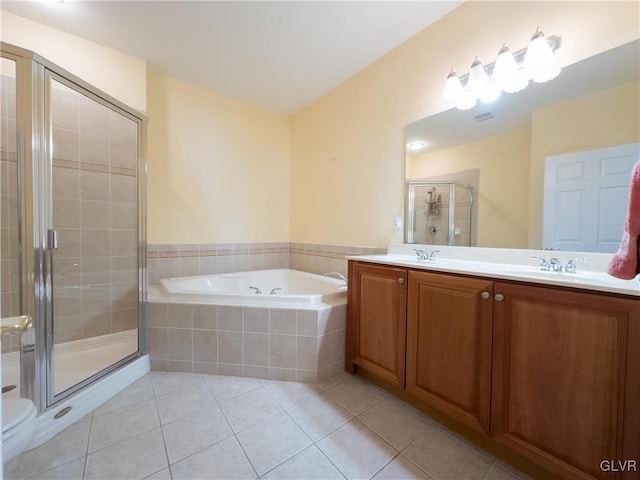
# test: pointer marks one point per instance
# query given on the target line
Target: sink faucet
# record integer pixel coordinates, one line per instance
(422, 255)
(544, 265)
(570, 267)
(337, 275)
(555, 265)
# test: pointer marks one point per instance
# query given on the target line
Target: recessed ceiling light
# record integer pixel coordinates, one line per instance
(415, 146)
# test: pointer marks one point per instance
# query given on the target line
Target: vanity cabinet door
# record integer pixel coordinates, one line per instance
(449, 345)
(561, 362)
(376, 321)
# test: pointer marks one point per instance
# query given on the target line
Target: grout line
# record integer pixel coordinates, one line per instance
(86, 453)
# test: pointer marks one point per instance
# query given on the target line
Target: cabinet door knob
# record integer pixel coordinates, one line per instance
(401, 280)
(485, 295)
(499, 297)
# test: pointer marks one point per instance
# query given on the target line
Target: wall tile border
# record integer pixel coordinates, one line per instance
(183, 260)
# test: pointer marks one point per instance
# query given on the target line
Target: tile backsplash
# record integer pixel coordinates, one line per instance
(181, 260)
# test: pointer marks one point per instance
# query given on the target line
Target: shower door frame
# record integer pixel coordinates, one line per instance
(33, 75)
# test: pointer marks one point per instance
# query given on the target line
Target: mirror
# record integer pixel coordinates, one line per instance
(592, 104)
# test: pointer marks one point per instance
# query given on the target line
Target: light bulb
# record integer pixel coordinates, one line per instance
(539, 59)
(510, 77)
(453, 87)
(478, 78)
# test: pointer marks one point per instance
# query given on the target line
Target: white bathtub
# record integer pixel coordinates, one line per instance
(279, 286)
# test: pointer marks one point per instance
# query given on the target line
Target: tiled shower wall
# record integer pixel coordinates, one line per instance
(10, 287)
(165, 261)
(95, 268)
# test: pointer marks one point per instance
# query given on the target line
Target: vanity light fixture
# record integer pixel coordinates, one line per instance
(511, 72)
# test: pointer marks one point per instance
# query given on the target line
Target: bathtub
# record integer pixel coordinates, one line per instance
(281, 286)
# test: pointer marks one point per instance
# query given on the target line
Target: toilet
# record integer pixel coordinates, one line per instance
(18, 426)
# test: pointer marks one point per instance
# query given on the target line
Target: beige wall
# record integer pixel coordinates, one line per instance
(347, 149)
(503, 202)
(120, 75)
(572, 127)
(218, 169)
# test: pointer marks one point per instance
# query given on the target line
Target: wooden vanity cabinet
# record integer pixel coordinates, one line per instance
(565, 379)
(549, 373)
(449, 328)
(376, 331)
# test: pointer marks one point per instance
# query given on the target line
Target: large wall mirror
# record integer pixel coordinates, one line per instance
(593, 104)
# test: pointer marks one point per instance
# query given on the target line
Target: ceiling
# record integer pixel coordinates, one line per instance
(278, 55)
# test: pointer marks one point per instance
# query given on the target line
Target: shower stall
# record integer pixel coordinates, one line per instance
(72, 183)
(439, 213)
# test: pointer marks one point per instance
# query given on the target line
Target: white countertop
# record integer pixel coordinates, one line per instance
(510, 264)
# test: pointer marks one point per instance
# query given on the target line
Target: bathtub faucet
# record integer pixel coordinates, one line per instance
(258, 292)
(274, 290)
(337, 275)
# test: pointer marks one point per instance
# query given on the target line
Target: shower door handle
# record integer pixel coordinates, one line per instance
(52, 239)
(15, 324)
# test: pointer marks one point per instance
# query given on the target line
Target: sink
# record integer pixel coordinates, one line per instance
(581, 276)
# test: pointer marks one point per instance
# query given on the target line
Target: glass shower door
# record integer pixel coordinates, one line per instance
(93, 238)
(10, 300)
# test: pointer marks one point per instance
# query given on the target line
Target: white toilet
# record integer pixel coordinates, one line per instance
(18, 426)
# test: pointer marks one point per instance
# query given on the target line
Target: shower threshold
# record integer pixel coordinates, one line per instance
(75, 361)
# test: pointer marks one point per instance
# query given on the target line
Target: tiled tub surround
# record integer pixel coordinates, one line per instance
(165, 261)
(302, 344)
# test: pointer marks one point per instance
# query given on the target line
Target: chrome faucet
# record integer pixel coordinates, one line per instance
(337, 275)
(544, 265)
(555, 265)
(570, 267)
(422, 255)
(257, 290)
(274, 290)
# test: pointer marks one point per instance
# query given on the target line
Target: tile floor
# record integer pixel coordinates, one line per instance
(192, 426)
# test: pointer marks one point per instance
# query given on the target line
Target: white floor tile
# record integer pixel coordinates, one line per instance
(165, 382)
(223, 387)
(68, 471)
(137, 392)
(164, 474)
(224, 460)
(187, 435)
(356, 451)
(443, 457)
(288, 394)
(122, 424)
(319, 416)
(137, 457)
(309, 464)
(272, 442)
(356, 395)
(401, 468)
(68, 445)
(394, 423)
(188, 420)
(183, 402)
(249, 408)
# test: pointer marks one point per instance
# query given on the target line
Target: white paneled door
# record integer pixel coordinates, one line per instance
(586, 197)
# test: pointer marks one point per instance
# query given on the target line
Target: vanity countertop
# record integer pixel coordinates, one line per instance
(510, 264)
